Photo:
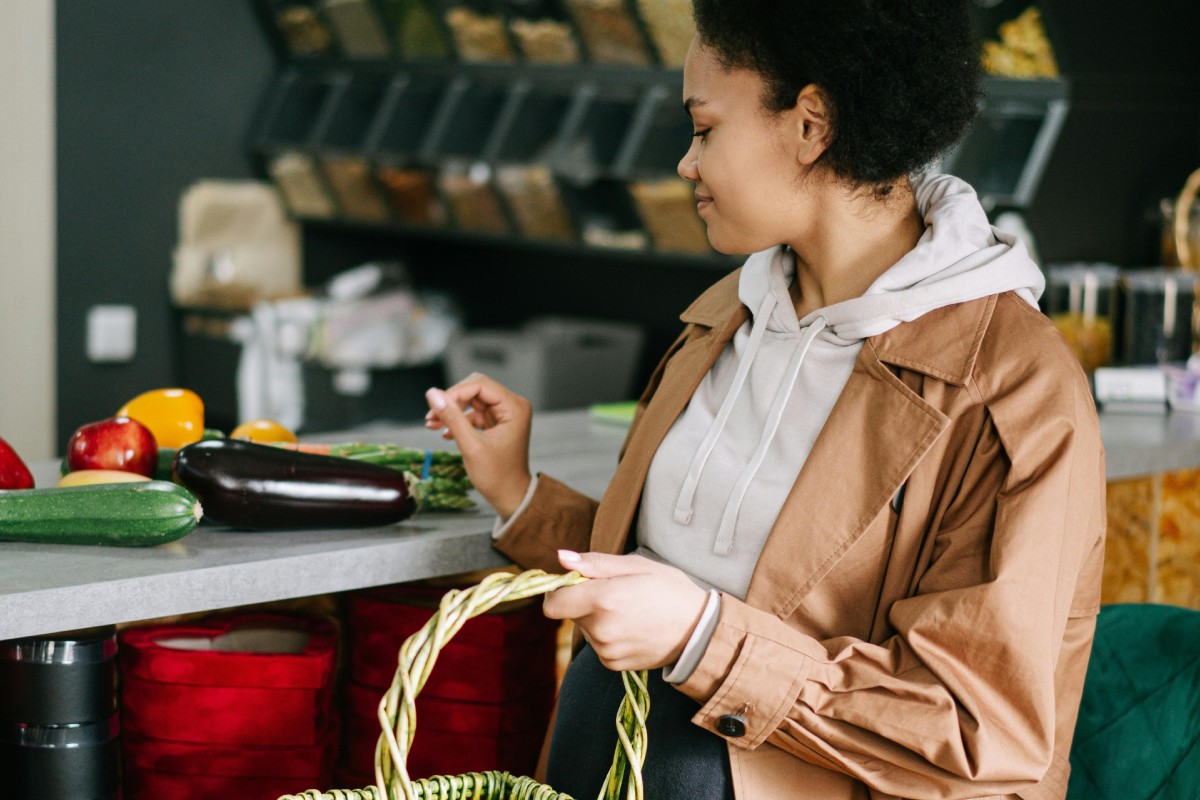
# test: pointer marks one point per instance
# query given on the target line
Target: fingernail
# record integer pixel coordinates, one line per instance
(569, 556)
(436, 398)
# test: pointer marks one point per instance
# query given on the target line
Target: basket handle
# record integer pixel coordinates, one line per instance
(397, 709)
(1182, 221)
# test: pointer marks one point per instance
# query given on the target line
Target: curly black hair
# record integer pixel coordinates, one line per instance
(902, 77)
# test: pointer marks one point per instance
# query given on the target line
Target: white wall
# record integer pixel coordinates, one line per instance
(27, 227)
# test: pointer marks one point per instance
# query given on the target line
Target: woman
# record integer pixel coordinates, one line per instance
(864, 486)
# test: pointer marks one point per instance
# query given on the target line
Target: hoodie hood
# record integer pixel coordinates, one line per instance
(960, 257)
(724, 470)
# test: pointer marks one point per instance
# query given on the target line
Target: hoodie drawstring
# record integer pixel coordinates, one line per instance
(685, 505)
(724, 541)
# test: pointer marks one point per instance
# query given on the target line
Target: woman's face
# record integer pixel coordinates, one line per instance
(742, 160)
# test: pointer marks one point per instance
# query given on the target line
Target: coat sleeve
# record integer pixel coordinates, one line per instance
(960, 700)
(558, 517)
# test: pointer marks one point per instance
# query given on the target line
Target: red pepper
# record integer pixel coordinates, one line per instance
(13, 472)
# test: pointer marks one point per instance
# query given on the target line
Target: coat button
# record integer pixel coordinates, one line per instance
(732, 725)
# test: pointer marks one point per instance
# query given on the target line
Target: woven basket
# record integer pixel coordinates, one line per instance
(398, 715)
(1182, 223)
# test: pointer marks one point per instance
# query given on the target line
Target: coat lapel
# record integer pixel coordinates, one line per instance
(718, 314)
(877, 433)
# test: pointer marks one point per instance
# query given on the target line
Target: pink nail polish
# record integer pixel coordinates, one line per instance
(436, 398)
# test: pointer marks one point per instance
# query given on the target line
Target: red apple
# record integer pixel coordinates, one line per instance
(118, 443)
(13, 472)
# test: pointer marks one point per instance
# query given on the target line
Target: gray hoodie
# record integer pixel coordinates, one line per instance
(721, 475)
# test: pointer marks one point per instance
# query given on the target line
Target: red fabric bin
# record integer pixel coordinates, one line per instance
(452, 737)
(175, 691)
(156, 768)
(496, 657)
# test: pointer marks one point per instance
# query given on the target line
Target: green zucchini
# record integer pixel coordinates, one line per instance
(122, 514)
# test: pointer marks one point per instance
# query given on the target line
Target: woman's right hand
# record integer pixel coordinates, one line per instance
(491, 425)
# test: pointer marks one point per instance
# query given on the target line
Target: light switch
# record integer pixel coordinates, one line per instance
(111, 334)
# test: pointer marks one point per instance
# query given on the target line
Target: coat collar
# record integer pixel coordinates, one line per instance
(877, 433)
(942, 344)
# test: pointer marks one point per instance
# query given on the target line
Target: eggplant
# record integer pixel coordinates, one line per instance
(260, 487)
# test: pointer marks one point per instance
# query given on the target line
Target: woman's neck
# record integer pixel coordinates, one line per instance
(851, 241)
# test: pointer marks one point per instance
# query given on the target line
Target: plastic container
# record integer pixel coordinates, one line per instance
(1158, 308)
(668, 210)
(287, 138)
(585, 163)
(348, 174)
(671, 28)
(479, 30)
(398, 150)
(553, 362)
(665, 202)
(464, 153)
(304, 191)
(358, 28)
(610, 32)
(526, 183)
(416, 31)
(296, 105)
(1082, 301)
(542, 31)
(303, 29)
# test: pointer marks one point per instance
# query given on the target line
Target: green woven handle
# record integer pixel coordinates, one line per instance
(398, 712)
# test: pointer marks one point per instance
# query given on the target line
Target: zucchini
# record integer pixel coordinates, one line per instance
(138, 514)
(261, 487)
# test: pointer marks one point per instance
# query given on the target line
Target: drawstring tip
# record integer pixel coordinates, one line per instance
(683, 516)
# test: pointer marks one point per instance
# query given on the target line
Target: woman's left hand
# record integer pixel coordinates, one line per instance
(636, 613)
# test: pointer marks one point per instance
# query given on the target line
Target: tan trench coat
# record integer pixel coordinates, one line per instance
(934, 652)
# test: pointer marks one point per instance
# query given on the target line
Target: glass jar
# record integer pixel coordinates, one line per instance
(1081, 301)
(1159, 305)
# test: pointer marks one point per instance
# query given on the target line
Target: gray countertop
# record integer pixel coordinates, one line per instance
(49, 588)
(1143, 444)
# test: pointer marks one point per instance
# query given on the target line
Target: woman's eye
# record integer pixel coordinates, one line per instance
(701, 135)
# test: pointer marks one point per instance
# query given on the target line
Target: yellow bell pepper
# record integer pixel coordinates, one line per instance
(263, 430)
(174, 416)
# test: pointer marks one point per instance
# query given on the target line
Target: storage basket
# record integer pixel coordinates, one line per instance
(397, 710)
(1185, 243)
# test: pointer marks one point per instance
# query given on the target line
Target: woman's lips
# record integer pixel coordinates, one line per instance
(703, 201)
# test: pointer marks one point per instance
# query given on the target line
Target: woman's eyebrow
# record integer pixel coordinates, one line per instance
(692, 102)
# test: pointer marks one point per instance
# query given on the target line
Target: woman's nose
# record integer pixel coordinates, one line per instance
(687, 168)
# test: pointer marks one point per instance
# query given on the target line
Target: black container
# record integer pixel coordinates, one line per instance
(398, 142)
(61, 762)
(528, 187)
(66, 678)
(464, 146)
(348, 174)
(588, 164)
(1158, 309)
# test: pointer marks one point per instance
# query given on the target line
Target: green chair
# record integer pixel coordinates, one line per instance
(1138, 733)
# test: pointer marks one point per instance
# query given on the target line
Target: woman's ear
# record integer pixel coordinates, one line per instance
(812, 124)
